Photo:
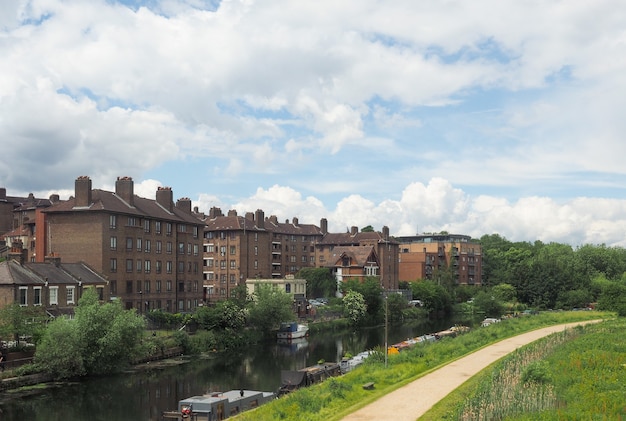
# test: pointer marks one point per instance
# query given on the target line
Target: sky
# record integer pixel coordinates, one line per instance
(472, 117)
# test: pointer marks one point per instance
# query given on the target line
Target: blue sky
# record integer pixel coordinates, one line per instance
(471, 117)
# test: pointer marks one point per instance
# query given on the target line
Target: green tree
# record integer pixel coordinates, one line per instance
(225, 315)
(319, 282)
(17, 321)
(395, 304)
(487, 303)
(269, 308)
(613, 298)
(368, 228)
(354, 307)
(104, 338)
(504, 292)
(371, 290)
(434, 296)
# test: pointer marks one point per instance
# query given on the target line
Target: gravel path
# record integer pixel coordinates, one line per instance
(414, 399)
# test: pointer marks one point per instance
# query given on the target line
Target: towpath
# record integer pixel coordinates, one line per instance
(414, 399)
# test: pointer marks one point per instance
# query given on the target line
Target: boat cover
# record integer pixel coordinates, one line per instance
(293, 379)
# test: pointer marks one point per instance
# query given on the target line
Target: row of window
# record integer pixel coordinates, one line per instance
(36, 297)
(149, 225)
(142, 245)
(145, 266)
(210, 276)
(145, 287)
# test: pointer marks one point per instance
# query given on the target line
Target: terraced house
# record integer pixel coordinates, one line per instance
(150, 251)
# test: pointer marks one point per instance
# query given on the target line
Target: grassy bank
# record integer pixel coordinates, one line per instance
(333, 399)
(578, 374)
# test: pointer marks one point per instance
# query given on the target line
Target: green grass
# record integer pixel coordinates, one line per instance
(576, 375)
(332, 400)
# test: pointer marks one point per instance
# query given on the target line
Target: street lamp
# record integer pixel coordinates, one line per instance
(386, 330)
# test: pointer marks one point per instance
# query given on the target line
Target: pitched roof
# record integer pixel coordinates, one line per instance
(231, 223)
(12, 273)
(359, 255)
(103, 200)
(291, 228)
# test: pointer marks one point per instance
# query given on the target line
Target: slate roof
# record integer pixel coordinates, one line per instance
(347, 238)
(359, 255)
(289, 228)
(231, 223)
(12, 273)
(103, 200)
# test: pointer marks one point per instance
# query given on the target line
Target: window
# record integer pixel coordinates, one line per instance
(181, 248)
(113, 243)
(23, 296)
(195, 286)
(147, 246)
(132, 221)
(139, 287)
(303, 259)
(209, 234)
(209, 248)
(37, 296)
(129, 244)
(113, 221)
(222, 264)
(182, 228)
(292, 259)
(223, 278)
(146, 286)
(223, 251)
(100, 291)
(188, 286)
(129, 287)
(168, 266)
(304, 249)
(157, 227)
(129, 265)
(158, 285)
(168, 228)
(195, 232)
(256, 264)
(196, 250)
(181, 267)
(159, 247)
(113, 287)
(113, 265)
(181, 305)
(181, 287)
(233, 279)
(195, 268)
(70, 295)
(233, 264)
(288, 288)
(293, 248)
(147, 266)
(256, 250)
(139, 248)
(189, 248)
(54, 296)
(139, 266)
(158, 266)
(233, 250)
(209, 263)
(146, 225)
(168, 286)
(256, 236)
(168, 247)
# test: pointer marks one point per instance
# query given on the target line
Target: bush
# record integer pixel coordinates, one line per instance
(536, 372)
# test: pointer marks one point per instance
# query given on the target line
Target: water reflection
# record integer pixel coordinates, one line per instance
(144, 395)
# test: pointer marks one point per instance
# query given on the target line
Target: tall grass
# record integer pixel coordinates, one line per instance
(576, 375)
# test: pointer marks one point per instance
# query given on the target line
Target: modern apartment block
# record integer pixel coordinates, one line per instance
(429, 255)
(150, 251)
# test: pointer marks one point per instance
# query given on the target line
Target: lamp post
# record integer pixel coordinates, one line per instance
(386, 330)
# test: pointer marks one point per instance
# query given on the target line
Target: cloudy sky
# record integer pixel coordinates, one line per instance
(474, 117)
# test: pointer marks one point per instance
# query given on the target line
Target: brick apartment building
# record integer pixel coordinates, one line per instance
(426, 256)
(384, 247)
(237, 248)
(150, 251)
(17, 221)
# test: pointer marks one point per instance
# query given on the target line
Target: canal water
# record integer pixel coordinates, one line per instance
(144, 395)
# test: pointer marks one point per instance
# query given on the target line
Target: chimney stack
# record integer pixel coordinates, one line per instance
(324, 226)
(184, 204)
(260, 219)
(354, 230)
(165, 198)
(82, 191)
(124, 188)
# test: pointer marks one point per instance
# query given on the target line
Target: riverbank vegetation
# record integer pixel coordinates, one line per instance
(335, 398)
(577, 374)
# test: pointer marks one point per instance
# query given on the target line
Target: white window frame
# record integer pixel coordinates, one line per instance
(71, 294)
(37, 296)
(25, 296)
(53, 295)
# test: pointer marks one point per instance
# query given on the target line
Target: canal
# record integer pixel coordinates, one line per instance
(144, 395)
